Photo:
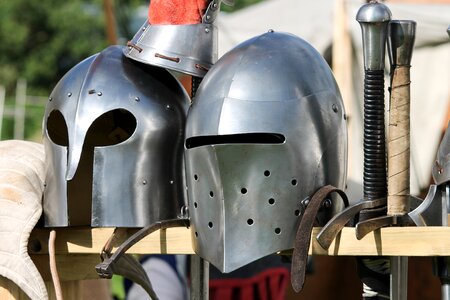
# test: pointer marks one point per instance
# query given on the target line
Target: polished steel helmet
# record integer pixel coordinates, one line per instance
(267, 129)
(113, 135)
(441, 167)
(187, 48)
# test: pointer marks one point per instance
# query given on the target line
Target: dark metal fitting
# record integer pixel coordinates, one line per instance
(327, 203)
(439, 168)
(103, 269)
(184, 212)
(335, 108)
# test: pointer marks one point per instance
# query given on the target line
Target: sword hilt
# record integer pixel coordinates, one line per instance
(374, 18)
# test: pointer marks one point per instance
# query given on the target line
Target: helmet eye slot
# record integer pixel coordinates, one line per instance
(111, 128)
(57, 128)
(244, 138)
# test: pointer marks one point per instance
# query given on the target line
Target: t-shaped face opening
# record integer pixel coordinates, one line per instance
(242, 138)
(111, 128)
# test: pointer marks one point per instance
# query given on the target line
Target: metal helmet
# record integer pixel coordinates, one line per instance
(189, 49)
(441, 167)
(267, 129)
(113, 134)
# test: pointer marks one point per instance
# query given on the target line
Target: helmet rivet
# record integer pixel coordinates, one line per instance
(208, 17)
(99, 94)
(144, 182)
(167, 106)
(137, 99)
(171, 182)
(214, 5)
(207, 30)
(69, 94)
(50, 98)
(334, 107)
(270, 30)
(327, 203)
(305, 202)
(439, 168)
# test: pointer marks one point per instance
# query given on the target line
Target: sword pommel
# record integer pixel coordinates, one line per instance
(374, 18)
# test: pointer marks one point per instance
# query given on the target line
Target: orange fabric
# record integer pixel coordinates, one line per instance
(176, 12)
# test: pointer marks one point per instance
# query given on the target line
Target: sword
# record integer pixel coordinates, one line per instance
(400, 46)
(373, 18)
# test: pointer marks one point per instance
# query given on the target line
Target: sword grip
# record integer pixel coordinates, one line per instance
(399, 142)
(375, 186)
(400, 47)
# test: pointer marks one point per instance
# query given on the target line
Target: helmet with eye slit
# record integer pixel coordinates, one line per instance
(266, 130)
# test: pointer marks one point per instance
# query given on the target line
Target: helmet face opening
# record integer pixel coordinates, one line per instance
(111, 128)
(244, 138)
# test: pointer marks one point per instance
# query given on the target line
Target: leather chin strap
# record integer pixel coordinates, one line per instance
(303, 237)
(126, 265)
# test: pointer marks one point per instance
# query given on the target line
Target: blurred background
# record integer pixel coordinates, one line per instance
(42, 40)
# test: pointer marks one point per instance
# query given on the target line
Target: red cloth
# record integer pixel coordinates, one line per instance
(176, 11)
(267, 285)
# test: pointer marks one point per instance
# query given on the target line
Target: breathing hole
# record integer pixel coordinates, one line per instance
(294, 182)
(195, 204)
(210, 225)
(271, 201)
(195, 177)
(277, 230)
(196, 234)
(250, 222)
(297, 212)
(211, 194)
(244, 191)
(267, 173)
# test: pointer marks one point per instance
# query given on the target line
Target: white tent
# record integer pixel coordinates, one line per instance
(315, 21)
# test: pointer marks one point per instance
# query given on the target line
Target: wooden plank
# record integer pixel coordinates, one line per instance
(91, 240)
(392, 241)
